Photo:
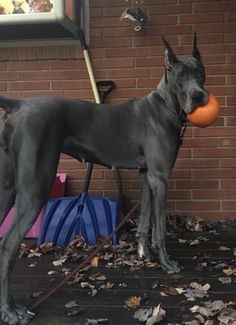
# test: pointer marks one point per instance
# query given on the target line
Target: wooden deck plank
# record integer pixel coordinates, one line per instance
(149, 283)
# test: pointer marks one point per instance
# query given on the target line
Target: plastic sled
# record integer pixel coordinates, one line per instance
(91, 217)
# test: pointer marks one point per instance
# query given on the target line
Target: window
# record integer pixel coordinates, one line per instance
(42, 19)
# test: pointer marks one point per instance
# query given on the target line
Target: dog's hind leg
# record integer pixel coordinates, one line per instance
(144, 219)
(36, 165)
(7, 188)
(158, 185)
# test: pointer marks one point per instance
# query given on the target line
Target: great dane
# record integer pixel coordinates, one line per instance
(142, 133)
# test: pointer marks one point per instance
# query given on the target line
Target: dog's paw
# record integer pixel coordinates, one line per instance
(171, 267)
(143, 252)
(16, 316)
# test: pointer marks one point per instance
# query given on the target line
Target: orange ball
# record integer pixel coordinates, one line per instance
(205, 115)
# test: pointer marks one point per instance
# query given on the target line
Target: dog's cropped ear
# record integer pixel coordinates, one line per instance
(170, 57)
(195, 52)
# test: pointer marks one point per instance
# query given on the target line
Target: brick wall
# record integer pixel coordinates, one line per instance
(203, 181)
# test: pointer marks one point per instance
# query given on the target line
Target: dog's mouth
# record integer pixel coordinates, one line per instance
(195, 98)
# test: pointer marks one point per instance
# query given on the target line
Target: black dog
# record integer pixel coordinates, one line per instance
(140, 133)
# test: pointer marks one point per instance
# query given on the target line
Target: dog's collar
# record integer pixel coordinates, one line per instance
(184, 123)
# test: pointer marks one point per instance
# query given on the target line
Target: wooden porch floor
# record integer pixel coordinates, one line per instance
(99, 295)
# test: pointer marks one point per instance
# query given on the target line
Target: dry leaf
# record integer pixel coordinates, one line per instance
(194, 242)
(71, 304)
(198, 291)
(230, 271)
(182, 241)
(180, 290)
(96, 321)
(224, 248)
(94, 261)
(209, 322)
(143, 314)
(133, 302)
(225, 280)
(157, 315)
(107, 285)
(59, 262)
(204, 311)
(34, 254)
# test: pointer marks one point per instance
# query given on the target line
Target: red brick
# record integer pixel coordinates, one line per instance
(231, 58)
(200, 18)
(95, 12)
(229, 205)
(179, 195)
(149, 62)
(8, 76)
(116, 33)
(215, 132)
(173, 9)
(214, 6)
(104, 3)
(230, 16)
(128, 73)
(164, 20)
(113, 63)
(228, 183)
(107, 22)
(198, 205)
(228, 142)
(180, 174)
(125, 52)
(213, 173)
(32, 93)
(231, 100)
(230, 37)
(3, 66)
(228, 163)
(214, 152)
(3, 86)
(27, 65)
(41, 75)
(113, 11)
(197, 163)
(110, 42)
(215, 80)
(196, 183)
(29, 85)
(70, 85)
(147, 83)
(202, 38)
(67, 64)
(215, 27)
(200, 142)
(214, 194)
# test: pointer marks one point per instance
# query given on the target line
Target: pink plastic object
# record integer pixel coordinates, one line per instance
(58, 190)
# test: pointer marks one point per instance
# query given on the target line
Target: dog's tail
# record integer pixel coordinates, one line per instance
(9, 104)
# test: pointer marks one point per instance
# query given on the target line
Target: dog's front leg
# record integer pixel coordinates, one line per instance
(158, 185)
(144, 220)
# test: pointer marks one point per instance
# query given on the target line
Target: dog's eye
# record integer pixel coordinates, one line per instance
(180, 75)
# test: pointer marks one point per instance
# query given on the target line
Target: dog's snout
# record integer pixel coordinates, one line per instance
(197, 96)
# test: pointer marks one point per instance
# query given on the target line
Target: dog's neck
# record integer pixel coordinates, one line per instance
(170, 98)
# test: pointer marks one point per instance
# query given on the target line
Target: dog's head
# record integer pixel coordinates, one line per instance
(185, 76)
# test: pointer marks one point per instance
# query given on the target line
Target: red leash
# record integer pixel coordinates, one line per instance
(87, 260)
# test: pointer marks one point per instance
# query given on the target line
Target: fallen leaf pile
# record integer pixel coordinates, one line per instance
(196, 290)
(150, 316)
(192, 294)
(225, 313)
